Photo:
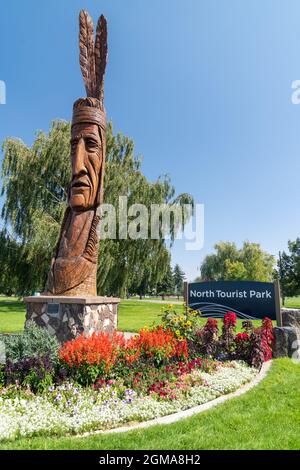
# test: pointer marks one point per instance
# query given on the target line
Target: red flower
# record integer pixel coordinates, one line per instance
(242, 337)
(98, 349)
(212, 324)
(265, 333)
(229, 319)
(104, 351)
(157, 344)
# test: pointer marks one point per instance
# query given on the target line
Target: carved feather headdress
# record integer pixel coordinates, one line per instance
(93, 56)
(93, 59)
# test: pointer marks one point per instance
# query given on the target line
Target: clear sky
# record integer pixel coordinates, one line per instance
(202, 86)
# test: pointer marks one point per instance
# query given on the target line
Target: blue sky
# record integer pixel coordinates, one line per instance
(202, 86)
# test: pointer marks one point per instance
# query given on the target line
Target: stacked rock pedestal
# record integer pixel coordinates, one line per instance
(287, 336)
(68, 317)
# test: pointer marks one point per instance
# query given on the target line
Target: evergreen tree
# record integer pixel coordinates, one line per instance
(178, 276)
(166, 285)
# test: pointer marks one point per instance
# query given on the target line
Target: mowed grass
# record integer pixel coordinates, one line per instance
(266, 417)
(292, 302)
(133, 315)
(12, 315)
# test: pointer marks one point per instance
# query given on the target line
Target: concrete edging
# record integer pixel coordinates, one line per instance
(168, 419)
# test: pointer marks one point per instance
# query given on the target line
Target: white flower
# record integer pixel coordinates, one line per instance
(87, 410)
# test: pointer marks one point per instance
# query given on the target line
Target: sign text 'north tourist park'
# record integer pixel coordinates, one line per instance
(247, 299)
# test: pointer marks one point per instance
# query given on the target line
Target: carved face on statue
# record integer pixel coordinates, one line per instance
(86, 157)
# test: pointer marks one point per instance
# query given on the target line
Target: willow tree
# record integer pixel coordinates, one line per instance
(35, 187)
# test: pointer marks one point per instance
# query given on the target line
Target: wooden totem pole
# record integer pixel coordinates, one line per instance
(74, 266)
(70, 306)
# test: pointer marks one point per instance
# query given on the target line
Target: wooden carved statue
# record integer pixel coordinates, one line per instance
(74, 266)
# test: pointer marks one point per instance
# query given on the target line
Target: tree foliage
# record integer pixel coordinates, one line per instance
(289, 269)
(249, 263)
(35, 182)
(178, 276)
(166, 285)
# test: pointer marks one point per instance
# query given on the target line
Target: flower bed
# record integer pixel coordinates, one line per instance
(103, 381)
(72, 409)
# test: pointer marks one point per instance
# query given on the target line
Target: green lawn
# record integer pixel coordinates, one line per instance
(133, 315)
(266, 417)
(170, 298)
(12, 315)
(292, 302)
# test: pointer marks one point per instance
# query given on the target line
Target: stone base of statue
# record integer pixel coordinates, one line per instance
(68, 317)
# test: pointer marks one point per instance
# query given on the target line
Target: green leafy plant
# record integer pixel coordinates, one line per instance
(2, 377)
(35, 373)
(183, 324)
(34, 342)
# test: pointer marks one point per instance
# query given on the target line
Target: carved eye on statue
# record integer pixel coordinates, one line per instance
(91, 144)
(74, 143)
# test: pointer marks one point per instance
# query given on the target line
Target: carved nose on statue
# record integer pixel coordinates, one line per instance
(78, 161)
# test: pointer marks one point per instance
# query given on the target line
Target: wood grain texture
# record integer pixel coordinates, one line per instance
(86, 52)
(93, 56)
(101, 52)
(74, 265)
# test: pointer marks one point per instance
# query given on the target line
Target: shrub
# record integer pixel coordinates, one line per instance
(228, 332)
(35, 372)
(207, 338)
(253, 346)
(243, 346)
(35, 342)
(2, 376)
(262, 343)
(182, 324)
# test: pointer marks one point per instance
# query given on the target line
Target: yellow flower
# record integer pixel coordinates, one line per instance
(188, 323)
(177, 333)
(170, 307)
(180, 338)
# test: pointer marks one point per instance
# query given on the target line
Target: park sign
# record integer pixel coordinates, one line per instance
(249, 300)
